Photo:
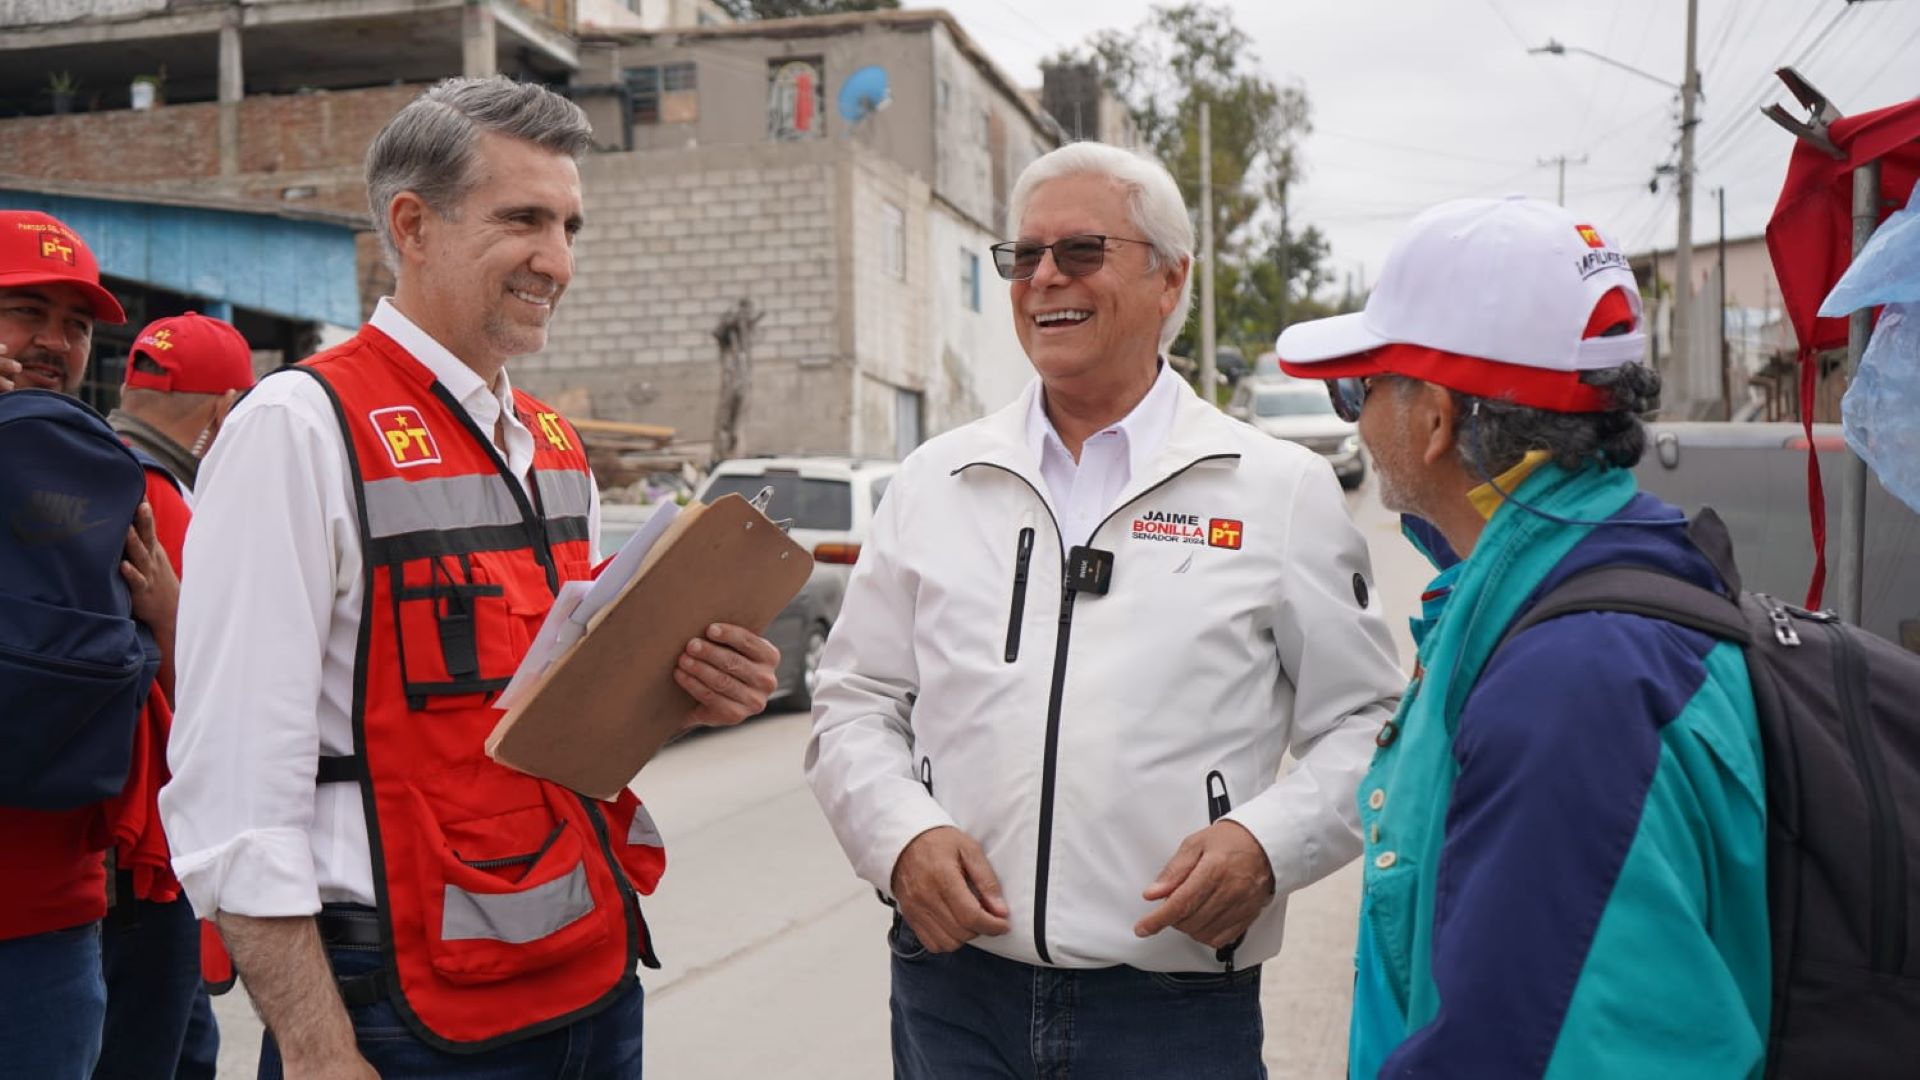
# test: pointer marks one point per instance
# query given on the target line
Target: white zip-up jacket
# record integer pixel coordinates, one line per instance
(1080, 737)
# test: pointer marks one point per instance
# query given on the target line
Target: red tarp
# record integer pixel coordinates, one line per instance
(1810, 239)
(1810, 236)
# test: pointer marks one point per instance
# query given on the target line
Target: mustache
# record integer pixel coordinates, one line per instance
(39, 357)
(537, 284)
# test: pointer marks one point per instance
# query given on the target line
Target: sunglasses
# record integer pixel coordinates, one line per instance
(1074, 256)
(1350, 395)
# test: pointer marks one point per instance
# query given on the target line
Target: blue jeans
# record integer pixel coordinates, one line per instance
(604, 1046)
(52, 1004)
(971, 1015)
(151, 955)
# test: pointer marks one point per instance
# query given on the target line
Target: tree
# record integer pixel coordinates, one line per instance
(1162, 70)
(794, 9)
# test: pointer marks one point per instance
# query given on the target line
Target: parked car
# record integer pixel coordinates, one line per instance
(1300, 411)
(1755, 477)
(830, 502)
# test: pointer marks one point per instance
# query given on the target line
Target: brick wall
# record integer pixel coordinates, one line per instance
(316, 141)
(674, 240)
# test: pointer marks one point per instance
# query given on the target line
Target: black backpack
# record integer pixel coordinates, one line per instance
(1839, 713)
(74, 665)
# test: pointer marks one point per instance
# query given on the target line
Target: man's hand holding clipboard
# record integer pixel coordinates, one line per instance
(650, 663)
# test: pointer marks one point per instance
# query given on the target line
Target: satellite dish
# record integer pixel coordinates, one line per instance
(864, 93)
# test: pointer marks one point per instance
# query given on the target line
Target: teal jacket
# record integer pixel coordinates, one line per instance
(1565, 842)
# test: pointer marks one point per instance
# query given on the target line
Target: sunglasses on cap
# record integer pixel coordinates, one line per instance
(1074, 256)
(1350, 395)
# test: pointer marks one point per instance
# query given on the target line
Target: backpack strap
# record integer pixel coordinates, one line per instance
(152, 464)
(1637, 590)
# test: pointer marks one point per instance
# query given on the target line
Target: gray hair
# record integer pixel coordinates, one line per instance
(1497, 434)
(427, 148)
(1154, 205)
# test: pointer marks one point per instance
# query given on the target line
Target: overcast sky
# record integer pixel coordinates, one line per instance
(1417, 101)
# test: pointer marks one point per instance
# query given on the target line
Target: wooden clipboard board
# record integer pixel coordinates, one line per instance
(610, 702)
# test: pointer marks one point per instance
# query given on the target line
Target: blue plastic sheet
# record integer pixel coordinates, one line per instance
(1880, 413)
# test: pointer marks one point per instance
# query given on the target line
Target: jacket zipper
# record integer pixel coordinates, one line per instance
(1888, 917)
(926, 774)
(1021, 558)
(1217, 806)
(1049, 767)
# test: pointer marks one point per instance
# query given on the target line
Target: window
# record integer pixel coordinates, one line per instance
(879, 489)
(644, 84)
(970, 279)
(906, 421)
(893, 241)
(664, 93)
(811, 503)
(681, 77)
(796, 98)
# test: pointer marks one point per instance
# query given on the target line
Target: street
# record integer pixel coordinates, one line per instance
(775, 963)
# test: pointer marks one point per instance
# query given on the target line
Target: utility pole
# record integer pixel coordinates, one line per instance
(1563, 161)
(1726, 361)
(1208, 373)
(1682, 350)
(1285, 255)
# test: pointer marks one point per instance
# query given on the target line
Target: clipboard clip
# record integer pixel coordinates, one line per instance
(763, 500)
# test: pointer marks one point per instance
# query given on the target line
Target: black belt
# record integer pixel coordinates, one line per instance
(354, 928)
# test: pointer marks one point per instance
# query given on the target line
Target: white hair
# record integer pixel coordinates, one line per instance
(1154, 205)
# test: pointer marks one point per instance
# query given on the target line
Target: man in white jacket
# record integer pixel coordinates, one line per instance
(1082, 636)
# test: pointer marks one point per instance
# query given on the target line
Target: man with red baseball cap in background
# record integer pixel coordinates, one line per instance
(183, 375)
(52, 992)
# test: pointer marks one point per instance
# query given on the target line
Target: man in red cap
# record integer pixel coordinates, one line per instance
(184, 373)
(52, 994)
(183, 376)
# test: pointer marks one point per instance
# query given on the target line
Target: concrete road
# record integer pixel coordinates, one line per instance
(775, 963)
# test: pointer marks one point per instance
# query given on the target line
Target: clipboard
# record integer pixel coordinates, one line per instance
(610, 702)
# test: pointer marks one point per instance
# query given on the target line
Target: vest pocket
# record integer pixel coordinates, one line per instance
(509, 893)
(454, 629)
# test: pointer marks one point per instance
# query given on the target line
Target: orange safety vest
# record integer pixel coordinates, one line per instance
(506, 902)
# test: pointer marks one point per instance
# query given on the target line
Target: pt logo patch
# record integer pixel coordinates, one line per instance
(409, 443)
(1591, 235)
(161, 340)
(556, 434)
(1224, 533)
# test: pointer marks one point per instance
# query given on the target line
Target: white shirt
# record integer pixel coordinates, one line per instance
(264, 660)
(1083, 491)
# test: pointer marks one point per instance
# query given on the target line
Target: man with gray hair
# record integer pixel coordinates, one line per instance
(1081, 638)
(381, 533)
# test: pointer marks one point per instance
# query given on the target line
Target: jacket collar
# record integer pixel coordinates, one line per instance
(1200, 433)
(175, 458)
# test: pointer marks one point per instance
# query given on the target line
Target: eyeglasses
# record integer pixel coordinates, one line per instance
(1074, 256)
(1350, 395)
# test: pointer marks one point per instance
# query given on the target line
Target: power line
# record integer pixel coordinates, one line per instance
(1511, 29)
(1757, 94)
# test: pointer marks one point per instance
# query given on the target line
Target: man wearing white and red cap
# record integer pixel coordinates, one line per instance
(52, 997)
(1565, 841)
(183, 376)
